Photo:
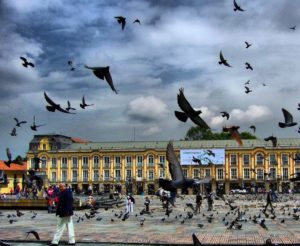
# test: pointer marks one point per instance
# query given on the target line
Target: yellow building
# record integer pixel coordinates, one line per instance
(136, 166)
(11, 176)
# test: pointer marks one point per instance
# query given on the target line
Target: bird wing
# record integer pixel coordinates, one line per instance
(17, 121)
(109, 80)
(23, 59)
(236, 135)
(83, 101)
(49, 100)
(174, 165)
(123, 24)
(223, 60)
(200, 122)
(63, 110)
(288, 118)
(183, 102)
(98, 71)
(8, 154)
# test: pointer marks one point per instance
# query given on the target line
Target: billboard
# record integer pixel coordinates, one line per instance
(202, 156)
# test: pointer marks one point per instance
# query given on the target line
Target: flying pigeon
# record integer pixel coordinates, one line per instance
(247, 44)
(223, 61)
(247, 83)
(103, 73)
(83, 104)
(233, 130)
(121, 20)
(13, 132)
(26, 63)
(18, 123)
(225, 114)
(196, 160)
(247, 90)
(137, 21)
(237, 7)
(188, 111)
(253, 128)
(69, 107)
(34, 126)
(288, 119)
(36, 235)
(53, 106)
(293, 28)
(272, 139)
(248, 66)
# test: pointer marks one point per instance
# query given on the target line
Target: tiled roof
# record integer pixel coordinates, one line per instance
(196, 144)
(13, 167)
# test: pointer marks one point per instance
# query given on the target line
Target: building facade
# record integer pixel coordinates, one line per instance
(136, 166)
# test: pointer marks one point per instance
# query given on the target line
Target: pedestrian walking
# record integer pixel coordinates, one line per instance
(269, 201)
(17, 191)
(210, 201)
(147, 204)
(64, 211)
(198, 203)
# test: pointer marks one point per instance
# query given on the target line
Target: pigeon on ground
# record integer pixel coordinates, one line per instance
(188, 111)
(103, 73)
(288, 119)
(223, 61)
(237, 7)
(26, 63)
(121, 20)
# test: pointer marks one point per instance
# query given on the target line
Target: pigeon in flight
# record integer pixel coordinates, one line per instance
(253, 128)
(264, 84)
(13, 132)
(197, 160)
(298, 106)
(272, 139)
(233, 130)
(247, 83)
(247, 90)
(18, 160)
(225, 114)
(18, 123)
(247, 44)
(288, 119)
(36, 235)
(34, 126)
(237, 7)
(103, 73)
(69, 107)
(71, 65)
(188, 111)
(83, 104)
(175, 169)
(293, 28)
(26, 63)
(248, 66)
(210, 153)
(53, 106)
(121, 20)
(137, 21)
(223, 61)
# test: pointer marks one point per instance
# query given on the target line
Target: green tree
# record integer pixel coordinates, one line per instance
(199, 133)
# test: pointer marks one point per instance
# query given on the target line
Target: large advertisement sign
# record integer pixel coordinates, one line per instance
(202, 156)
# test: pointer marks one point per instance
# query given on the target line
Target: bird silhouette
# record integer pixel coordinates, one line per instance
(53, 106)
(196, 241)
(103, 73)
(247, 90)
(34, 126)
(288, 119)
(26, 63)
(293, 28)
(253, 170)
(188, 111)
(233, 130)
(272, 139)
(13, 132)
(248, 66)
(223, 61)
(247, 44)
(36, 235)
(247, 83)
(175, 169)
(197, 160)
(137, 21)
(121, 20)
(225, 114)
(69, 107)
(253, 127)
(237, 7)
(4, 244)
(83, 104)
(19, 123)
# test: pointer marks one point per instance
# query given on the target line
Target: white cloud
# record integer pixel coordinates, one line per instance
(151, 131)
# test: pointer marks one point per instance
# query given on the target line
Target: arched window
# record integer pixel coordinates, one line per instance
(96, 161)
(259, 159)
(44, 162)
(150, 160)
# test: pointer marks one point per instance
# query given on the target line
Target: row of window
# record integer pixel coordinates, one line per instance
(260, 174)
(107, 160)
(260, 159)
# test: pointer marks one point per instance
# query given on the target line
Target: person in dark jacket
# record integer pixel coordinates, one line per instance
(64, 211)
(269, 201)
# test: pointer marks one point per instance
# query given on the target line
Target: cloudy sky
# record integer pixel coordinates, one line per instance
(177, 45)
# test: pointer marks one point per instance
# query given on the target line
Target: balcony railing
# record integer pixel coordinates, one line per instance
(74, 179)
(139, 164)
(64, 166)
(128, 164)
(85, 179)
(86, 166)
(75, 166)
(106, 178)
(53, 166)
(118, 165)
(96, 166)
(106, 165)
